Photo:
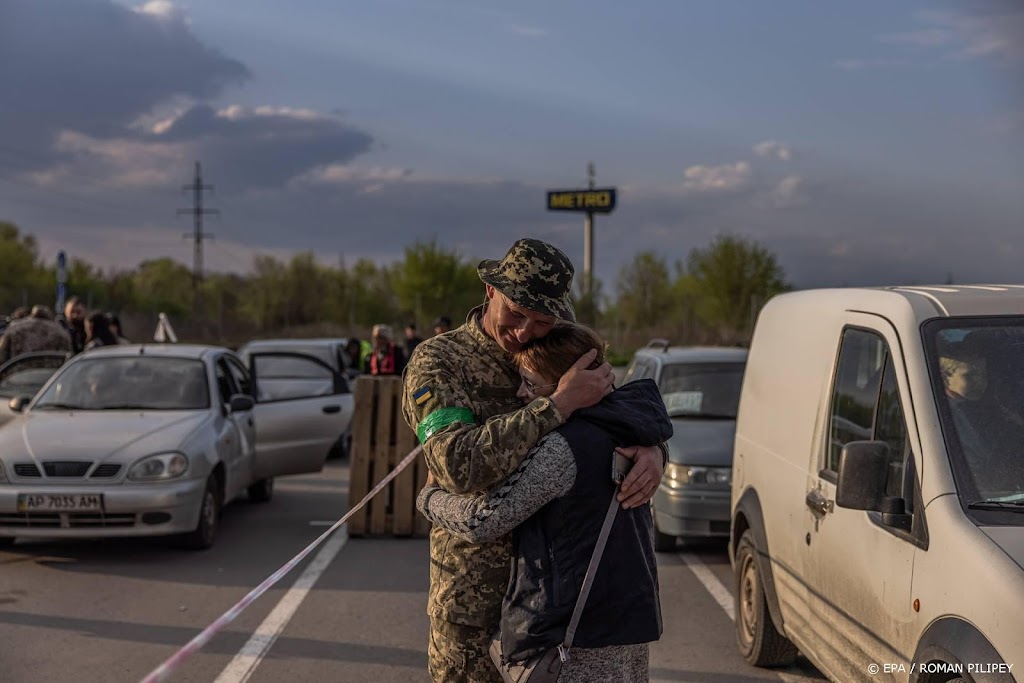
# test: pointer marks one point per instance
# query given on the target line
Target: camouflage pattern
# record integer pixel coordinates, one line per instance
(534, 275)
(464, 368)
(33, 334)
(458, 654)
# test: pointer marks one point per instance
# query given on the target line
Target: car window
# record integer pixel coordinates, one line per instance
(240, 376)
(641, 369)
(280, 378)
(128, 382)
(701, 390)
(891, 427)
(225, 384)
(862, 357)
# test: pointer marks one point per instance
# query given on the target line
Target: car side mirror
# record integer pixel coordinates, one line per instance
(863, 469)
(18, 403)
(240, 403)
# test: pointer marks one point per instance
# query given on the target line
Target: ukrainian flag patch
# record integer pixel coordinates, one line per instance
(422, 395)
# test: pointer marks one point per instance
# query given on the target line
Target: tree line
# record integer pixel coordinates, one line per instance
(711, 296)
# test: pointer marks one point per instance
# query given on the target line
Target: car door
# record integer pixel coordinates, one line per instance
(229, 443)
(858, 570)
(244, 420)
(303, 406)
(25, 375)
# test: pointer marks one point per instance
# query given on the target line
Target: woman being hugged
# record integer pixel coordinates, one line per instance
(554, 505)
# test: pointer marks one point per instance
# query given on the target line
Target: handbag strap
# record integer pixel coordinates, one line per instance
(588, 580)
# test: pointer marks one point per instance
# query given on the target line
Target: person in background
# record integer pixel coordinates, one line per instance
(387, 357)
(353, 357)
(38, 332)
(115, 328)
(74, 323)
(412, 340)
(97, 332)
(442, 324)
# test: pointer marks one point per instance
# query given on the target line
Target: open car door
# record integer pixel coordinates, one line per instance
(303, 406)
(25, 375)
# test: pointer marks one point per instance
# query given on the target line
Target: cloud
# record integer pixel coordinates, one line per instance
(863, 64)
(724, 178)
(94, 66)
(773, 149)
(789, 193)
(528, 31)
(164, 10)
(987, 30)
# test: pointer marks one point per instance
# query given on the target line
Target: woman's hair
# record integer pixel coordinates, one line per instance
(101, 328)
(553, 354)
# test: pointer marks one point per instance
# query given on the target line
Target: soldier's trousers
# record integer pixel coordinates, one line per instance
(458, 653)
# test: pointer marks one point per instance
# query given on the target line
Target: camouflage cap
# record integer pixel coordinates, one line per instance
(534, 275)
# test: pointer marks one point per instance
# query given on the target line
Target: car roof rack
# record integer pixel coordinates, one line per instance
(659, 343)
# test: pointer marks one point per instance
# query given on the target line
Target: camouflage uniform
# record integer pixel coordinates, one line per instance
(33, 334)
(460, 397)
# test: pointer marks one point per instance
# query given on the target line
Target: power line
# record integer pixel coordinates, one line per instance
(197, 211)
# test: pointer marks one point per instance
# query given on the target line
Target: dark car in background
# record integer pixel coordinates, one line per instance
(701, 389)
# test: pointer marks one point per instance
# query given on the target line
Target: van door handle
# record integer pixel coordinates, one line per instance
(328, 410)
(818, 503)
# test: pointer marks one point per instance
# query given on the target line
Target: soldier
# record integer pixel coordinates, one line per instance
(460, 398)
(38, 332)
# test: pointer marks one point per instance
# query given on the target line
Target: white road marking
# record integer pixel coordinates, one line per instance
(250, 656)
(721, 594)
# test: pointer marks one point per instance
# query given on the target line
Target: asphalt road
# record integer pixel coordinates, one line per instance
(112, 611)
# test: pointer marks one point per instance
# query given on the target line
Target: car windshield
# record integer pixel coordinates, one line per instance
(702, 390)
(128, 383)
(977, 367)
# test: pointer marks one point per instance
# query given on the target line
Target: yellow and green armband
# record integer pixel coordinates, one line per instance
(441, 418)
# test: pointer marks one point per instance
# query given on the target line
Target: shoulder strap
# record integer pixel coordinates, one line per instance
(595, 559)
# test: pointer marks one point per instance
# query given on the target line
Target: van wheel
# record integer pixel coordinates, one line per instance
(262, 491)
(203, 535)
(663, 543)
(758, 640)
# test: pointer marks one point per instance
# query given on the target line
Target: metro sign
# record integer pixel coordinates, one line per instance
(597, 200)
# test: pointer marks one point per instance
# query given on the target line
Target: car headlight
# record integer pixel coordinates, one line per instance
(158, 467)
(689, 474)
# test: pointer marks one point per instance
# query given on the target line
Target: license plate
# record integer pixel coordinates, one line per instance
(60, 502)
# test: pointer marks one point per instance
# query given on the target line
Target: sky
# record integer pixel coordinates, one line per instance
(863, 143)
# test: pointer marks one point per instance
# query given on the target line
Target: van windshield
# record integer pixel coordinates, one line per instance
(977, 369)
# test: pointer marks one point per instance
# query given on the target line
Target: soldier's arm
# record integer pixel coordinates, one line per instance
(548, 472)
(464, 454)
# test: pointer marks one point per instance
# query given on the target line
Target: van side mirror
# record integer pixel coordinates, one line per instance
(863, 474)
(18, 403)
(240, 403)
(863, 468)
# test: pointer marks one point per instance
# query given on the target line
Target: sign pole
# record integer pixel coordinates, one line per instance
(588, 240)
(62, 279)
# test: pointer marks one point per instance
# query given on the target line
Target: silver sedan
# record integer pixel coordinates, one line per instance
(155, 439)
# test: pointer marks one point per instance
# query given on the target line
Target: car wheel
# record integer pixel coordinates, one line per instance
(758, 640)
(262, 491)
(663, 543)
(209, 519)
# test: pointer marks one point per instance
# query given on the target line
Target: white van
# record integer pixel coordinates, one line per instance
(878, 484)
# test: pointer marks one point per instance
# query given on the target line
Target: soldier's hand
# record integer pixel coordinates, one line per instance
(431, 481)
(580, 387)
(643, 479)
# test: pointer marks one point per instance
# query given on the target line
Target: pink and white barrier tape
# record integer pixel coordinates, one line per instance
(162, 672)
